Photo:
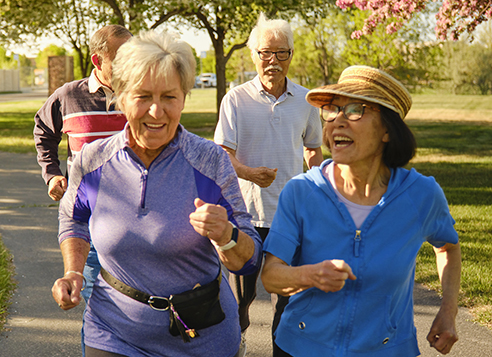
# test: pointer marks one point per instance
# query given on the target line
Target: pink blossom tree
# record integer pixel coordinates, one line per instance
(454, 18)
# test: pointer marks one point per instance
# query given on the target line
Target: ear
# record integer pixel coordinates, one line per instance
(386, 137)
(95, 61)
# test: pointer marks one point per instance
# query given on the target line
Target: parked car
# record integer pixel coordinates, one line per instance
(208, 79)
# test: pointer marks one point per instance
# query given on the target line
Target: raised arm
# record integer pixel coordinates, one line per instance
(282, 279)
(211, 221)
(443, 335)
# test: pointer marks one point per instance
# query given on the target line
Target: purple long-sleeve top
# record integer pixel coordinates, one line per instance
(138, 221)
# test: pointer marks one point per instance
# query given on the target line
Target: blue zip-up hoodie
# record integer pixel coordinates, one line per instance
(373, 315)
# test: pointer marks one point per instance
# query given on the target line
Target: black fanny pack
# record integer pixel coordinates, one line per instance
(189, 311)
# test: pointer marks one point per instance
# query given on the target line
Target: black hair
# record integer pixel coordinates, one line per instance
(402, 146)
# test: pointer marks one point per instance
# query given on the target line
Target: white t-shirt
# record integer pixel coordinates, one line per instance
(265, 131)
(358, 212)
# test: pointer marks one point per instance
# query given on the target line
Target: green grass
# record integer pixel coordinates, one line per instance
(17, 121)
(459, 155)
(7, 282)
(454, 135)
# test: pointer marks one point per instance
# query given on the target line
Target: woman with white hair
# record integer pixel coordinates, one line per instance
(163, 210)
(345, 237)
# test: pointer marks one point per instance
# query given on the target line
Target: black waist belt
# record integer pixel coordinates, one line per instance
(156, 302)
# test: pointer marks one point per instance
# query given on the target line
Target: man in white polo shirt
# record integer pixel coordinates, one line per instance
(268, 128)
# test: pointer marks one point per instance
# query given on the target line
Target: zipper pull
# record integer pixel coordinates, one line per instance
(357, 239)
(145, 174)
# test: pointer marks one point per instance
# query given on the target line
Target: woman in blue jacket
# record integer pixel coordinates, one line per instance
(345, 237)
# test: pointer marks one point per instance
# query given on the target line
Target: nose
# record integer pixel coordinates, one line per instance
(340, 119)
(156, 110)
(274, 59)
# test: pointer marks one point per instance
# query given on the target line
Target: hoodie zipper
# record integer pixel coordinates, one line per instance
(357, 240)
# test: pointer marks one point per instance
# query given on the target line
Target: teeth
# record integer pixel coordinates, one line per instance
(154, 126)
(342, 141)
(342, 138)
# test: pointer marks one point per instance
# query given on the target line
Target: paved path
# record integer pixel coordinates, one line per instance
(27, 94)
(37, 327)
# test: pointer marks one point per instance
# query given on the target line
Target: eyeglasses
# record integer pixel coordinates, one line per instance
(281, 55)
(351, 111)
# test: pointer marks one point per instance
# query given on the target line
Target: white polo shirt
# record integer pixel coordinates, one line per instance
(265, 131)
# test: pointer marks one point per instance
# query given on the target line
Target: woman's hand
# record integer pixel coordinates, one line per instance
(66, 290)
(443, 335)
(283, 279)
(211, 221)
(329, 275)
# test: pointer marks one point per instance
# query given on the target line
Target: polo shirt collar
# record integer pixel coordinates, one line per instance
(95, 84)
(259, 86)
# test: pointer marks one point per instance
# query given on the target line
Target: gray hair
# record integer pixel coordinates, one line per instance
(99, 41)
(160, 54)
(277, 28)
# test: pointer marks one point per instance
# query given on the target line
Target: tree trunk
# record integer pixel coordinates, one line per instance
(220, 71)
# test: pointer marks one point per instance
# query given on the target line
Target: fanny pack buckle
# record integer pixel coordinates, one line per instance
(158, 303)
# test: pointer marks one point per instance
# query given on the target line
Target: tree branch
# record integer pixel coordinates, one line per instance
(116, 10)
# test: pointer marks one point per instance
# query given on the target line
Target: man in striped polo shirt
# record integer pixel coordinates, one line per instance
(83, 110)
(268, 128)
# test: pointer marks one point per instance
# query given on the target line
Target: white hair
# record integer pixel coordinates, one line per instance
(161, 54)
(277, 28)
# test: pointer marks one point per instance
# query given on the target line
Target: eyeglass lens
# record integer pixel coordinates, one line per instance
(267, 55)
(352, 111)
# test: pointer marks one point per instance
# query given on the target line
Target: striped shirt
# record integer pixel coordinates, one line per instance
(82, 110)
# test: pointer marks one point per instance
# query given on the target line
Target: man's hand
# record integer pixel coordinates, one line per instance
(262, 176)
(57, 186)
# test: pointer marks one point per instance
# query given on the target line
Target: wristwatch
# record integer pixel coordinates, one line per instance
(232, 243)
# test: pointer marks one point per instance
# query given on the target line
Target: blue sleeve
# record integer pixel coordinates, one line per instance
(438, 225)
(284, 238)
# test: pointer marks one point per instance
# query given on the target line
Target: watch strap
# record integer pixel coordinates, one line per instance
(232, 243)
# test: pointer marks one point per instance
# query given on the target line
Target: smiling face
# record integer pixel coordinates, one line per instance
(153, 110)
(355, 142)
(273, 71)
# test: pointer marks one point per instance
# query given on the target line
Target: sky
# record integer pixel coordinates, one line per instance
(200, 41)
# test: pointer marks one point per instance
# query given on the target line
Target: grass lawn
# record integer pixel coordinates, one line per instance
(7, 283)
(454, 135)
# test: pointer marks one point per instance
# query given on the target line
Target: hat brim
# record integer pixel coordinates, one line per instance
(324, 95)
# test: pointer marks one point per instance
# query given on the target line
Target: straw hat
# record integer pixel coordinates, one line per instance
(365, 83)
